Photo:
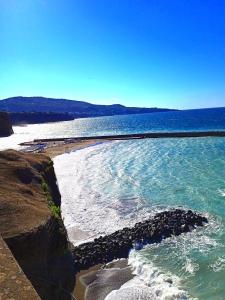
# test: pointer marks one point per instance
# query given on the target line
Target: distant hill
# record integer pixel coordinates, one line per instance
(78, 109)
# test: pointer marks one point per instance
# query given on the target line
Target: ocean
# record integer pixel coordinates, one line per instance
(115, 184)
(199, 120)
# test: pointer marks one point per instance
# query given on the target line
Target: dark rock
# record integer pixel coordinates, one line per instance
(5, 125)
(119, 243)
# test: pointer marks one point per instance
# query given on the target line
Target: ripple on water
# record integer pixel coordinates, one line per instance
(111, 186)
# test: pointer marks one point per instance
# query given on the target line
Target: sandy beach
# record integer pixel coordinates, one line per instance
(53, 149)
(56, 146)
(58, 149)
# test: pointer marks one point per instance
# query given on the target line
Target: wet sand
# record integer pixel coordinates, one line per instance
(80, 287)
(56, 150)
(98, 281)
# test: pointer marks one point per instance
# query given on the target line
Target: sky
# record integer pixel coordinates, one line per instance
(167, 53)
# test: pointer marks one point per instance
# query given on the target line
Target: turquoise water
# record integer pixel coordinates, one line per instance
(203, 119)
(113, 185)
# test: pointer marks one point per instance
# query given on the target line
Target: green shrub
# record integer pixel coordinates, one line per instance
(53, 207)
(55, 211)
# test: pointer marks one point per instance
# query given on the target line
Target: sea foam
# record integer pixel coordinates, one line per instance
(149, 283)
(111, 186)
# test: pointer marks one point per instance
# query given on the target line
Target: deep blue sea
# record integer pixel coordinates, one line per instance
(115, 184)
(203, 119)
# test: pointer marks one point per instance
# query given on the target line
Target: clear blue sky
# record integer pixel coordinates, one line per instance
(165, 53)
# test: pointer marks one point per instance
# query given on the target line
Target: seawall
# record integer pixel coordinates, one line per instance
(144, 135)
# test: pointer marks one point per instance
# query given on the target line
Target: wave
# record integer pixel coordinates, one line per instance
(110, 186)
(149, 283)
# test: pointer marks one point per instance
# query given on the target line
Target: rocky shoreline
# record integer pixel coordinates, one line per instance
(33, 229)
(118, 244)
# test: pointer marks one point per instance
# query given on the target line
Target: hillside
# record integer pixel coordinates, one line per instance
(78, 109)
(5, 125)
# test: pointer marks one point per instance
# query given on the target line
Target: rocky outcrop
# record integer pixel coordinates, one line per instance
(117, 245)
(31, 224)
(5, 125)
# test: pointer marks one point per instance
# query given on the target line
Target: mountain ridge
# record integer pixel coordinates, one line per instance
(77, 108)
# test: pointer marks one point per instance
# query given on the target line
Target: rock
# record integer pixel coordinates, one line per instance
(119, 243)
(5, 125)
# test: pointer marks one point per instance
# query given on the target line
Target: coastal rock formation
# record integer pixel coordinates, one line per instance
(118, 244)
(5, 125)
(31, 223)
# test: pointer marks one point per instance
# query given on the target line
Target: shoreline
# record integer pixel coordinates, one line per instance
(102, 265)
(56, 148)
(80, 286)
(86, 280)
(166, 134)
(100, 280)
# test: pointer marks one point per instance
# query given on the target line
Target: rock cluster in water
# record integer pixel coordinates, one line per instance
(118, 244)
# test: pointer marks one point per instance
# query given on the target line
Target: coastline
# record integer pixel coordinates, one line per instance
(53, 149)
(87, 285)
(81, 286)
(99, 281)
(85, 280)
(57, 146)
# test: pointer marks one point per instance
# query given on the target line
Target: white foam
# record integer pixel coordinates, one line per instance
(152, 282)
(102, 193)
(219, 264)
(90, 206)
(190, 266)
(149, 283)
(222, 192)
